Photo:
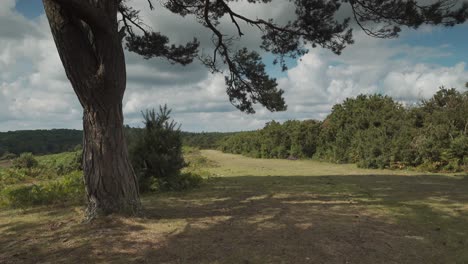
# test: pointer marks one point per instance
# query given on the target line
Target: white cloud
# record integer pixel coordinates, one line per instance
(321, 79)
(34, 91)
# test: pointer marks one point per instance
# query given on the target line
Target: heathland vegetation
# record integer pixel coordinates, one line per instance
(373, 131)
(155, 152)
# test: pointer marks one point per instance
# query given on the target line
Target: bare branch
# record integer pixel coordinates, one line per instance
(150, 5)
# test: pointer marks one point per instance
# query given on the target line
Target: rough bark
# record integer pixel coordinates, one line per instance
(110, 182)
(93, 59)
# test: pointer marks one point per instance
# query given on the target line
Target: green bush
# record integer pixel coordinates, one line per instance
(69, 165)
(292, 139)
(156, 152)
(25, 161)
(12, 176)
(67, 190)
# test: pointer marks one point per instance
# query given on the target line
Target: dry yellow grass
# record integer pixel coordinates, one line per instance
(306, 212)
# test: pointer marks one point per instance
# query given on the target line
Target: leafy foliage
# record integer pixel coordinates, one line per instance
(374, 132)
(293, 139)
(362, 130)
(69, 189)
(25, 161)
(156, 152)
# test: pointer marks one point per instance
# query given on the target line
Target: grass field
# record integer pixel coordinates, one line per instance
(262, 211)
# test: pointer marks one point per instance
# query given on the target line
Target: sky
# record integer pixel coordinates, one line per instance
(35, 93)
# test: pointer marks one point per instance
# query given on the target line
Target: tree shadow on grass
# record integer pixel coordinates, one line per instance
(249, 219)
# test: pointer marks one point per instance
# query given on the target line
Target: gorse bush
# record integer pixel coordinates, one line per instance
(75, 163)
(69, 189)
(156, 152)
(362, 130)
(25, 161)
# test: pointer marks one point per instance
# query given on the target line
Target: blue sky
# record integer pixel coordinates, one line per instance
(36, 94)
(455, 37)
(30, 8)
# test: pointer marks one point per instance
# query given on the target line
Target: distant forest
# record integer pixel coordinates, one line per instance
(373, 131)
(40, 142)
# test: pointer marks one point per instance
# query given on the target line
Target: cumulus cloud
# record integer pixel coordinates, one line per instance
(34, 91)
(321, 80)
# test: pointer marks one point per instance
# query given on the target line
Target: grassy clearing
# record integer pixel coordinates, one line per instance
(305, 212)
(229, 165)
(53, 159)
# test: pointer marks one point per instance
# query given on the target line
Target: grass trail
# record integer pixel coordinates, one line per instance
(235, 165)
(306, 212)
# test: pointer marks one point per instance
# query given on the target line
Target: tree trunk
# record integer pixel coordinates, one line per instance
(90, 48)
(111, 185)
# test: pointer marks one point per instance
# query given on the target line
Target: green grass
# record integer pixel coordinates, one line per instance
(53, 159)
(261, 211)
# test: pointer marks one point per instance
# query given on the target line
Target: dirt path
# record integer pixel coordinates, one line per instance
(5, 163)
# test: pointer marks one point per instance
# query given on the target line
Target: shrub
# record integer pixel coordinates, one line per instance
(156, 154)
(458, 153)
(69, 165)
(12, 176)
(25, 161)
(67, 190)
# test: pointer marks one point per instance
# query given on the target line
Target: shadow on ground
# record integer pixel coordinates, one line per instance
(326, 219)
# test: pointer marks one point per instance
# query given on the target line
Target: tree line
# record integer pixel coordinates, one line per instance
(373, 131)
(39, 141)
(43, 142)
